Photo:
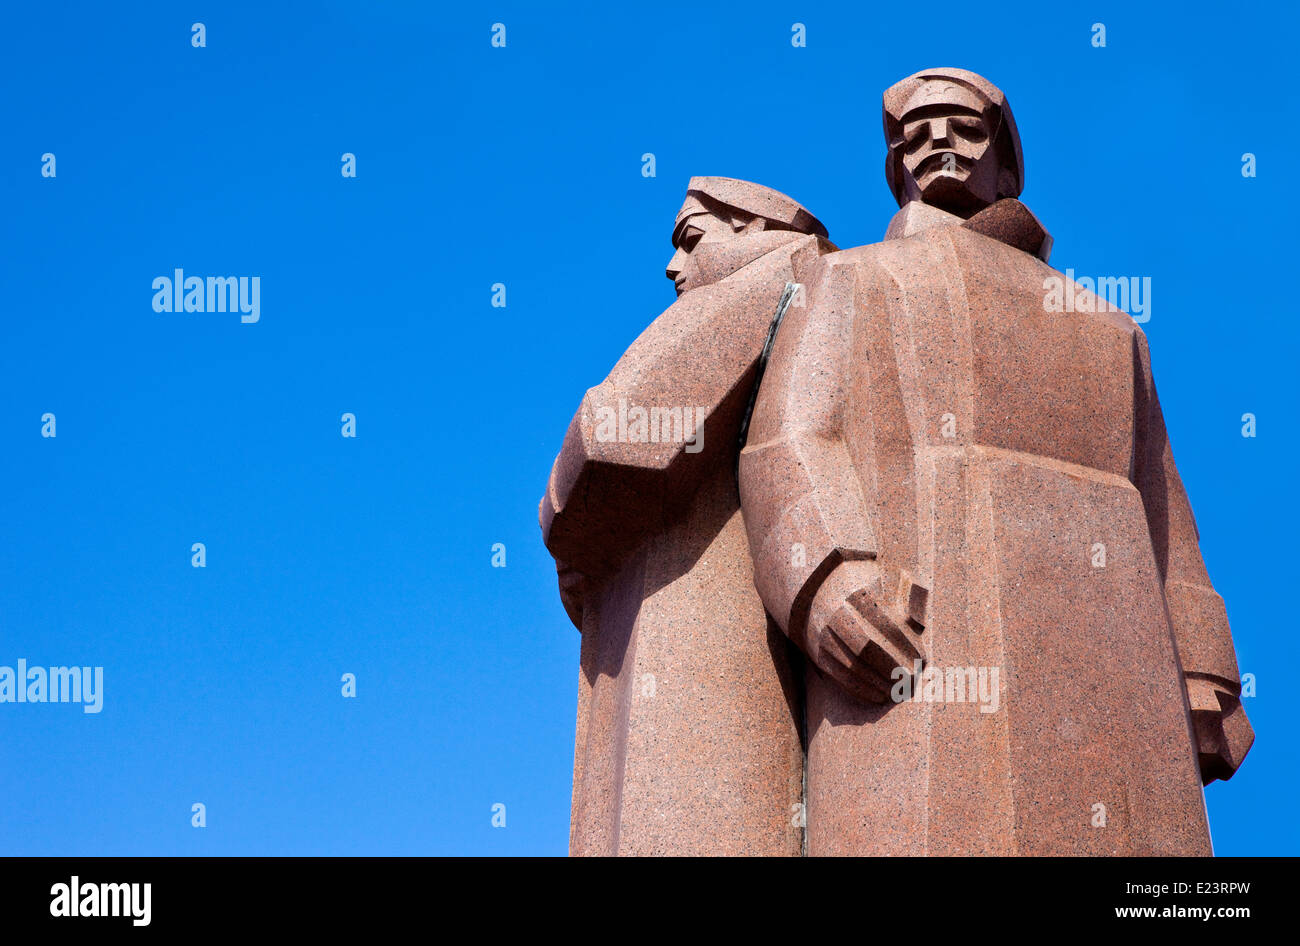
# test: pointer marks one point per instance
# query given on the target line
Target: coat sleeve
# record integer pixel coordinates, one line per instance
(608, 488)
(803, 503)
(1197, 614)
(1196, 611)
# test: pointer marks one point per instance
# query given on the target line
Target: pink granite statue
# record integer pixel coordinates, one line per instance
(963, 507)
(687, 741)
(957, 502)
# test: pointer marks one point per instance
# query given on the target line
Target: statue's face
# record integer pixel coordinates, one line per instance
(948, 158)
(692, 238)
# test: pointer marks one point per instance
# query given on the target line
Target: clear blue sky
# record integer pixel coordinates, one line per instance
(519, 165)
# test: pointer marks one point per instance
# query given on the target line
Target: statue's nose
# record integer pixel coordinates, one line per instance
(675, 265)
(939, 131)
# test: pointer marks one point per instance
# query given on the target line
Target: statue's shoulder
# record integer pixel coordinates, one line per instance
(866, 253)
(869, 256)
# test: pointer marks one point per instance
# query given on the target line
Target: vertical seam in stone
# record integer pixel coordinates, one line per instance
(963, 346)
(907, 367)
(1005, 677)
(803, 751)
(623, 720)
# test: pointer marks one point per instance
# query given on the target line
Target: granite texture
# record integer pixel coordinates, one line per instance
(689, 710)
(944, 479)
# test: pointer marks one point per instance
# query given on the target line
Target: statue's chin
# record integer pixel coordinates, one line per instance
(950, 191)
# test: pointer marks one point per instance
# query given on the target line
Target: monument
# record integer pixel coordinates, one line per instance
(915, 572)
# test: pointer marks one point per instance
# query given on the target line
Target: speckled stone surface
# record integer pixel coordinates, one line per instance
(689, 712)
(927, 421)
(688, 740)
(945, 478)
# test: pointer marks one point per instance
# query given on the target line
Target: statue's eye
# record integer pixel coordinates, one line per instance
(970, 129)
(916, 137)
(690, 237)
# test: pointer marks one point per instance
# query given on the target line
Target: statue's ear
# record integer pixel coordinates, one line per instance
(748, 223)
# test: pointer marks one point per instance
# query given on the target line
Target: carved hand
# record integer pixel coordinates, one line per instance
(864, 622)
(1223, 733)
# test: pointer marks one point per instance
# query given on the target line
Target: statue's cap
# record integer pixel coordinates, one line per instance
(751, 198)
(910, 93)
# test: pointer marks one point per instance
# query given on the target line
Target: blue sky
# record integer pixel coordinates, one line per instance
(520, 165)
